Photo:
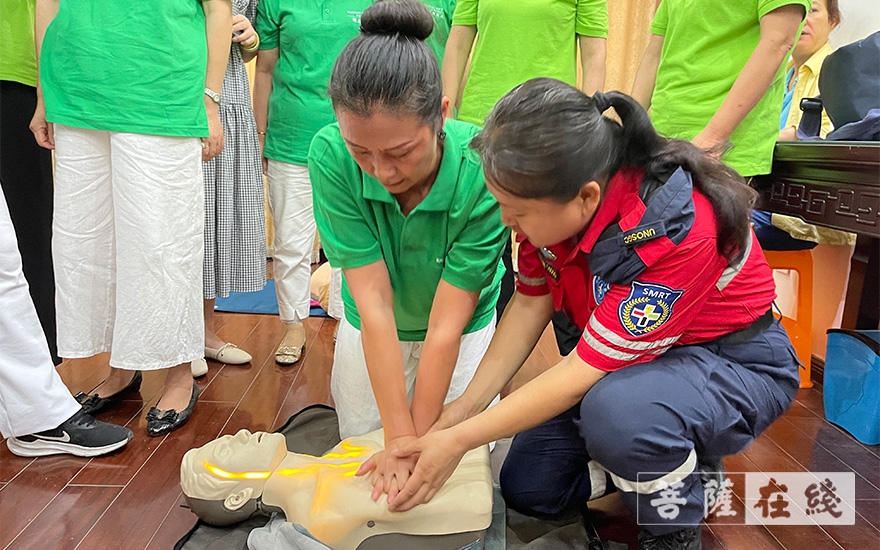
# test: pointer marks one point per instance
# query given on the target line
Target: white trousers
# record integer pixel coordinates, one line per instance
(32, 396)
(290, 200)
(350, 383)
(336, 308)
(128, 245)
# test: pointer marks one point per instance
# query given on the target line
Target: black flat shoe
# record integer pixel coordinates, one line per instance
(161, 422)
(92, 404)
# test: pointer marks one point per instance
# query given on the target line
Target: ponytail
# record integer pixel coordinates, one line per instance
(546, 139)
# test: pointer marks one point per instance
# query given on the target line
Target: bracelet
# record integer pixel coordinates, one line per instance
(253, 48)
(259, 133)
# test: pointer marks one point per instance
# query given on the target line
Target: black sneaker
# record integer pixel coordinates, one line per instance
(79, 435)
(689, 538)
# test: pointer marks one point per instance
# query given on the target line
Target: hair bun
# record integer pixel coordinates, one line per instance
(405, 17)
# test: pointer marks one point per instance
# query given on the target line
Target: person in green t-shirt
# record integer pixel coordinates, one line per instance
(299, 41)
(125, 91)
(402, 208)
(712, 74)
(518, 41)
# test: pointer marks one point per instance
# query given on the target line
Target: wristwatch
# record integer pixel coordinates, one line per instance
(215, 97)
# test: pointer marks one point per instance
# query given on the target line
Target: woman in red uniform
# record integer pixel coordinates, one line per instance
(645, 243)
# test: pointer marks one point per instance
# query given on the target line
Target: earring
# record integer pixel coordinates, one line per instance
(441, 134)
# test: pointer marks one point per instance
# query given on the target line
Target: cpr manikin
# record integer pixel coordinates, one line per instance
(237, 476)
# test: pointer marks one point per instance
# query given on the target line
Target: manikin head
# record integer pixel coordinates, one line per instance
(223, 480)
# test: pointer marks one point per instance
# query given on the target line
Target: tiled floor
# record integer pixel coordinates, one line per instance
(132, 499)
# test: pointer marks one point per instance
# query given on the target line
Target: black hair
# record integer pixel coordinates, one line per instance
(546, 139)
(388, 67)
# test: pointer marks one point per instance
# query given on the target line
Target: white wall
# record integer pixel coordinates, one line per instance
(859, 18)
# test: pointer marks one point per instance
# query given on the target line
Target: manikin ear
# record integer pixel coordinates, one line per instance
(237, 500)
(590, 195)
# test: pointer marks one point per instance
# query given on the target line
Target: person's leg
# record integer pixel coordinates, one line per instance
(26, 178)
(159, 206)
(32, 396)
(693, 402)
(290, 199)
(471, 351)
(83, 240)
(772, 238)
(38, 416)
(335, 307)
(548, 473)
(350, 385)
(507, 282)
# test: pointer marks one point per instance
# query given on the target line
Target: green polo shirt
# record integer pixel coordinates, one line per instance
(454, 234)
(136, 67)
(310, 35)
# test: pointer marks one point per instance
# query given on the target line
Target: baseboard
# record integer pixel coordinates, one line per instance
(817, 370)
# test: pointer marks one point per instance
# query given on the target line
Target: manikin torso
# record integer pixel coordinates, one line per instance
(323, 495)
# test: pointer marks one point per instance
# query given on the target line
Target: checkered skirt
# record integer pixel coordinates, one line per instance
(235, 225)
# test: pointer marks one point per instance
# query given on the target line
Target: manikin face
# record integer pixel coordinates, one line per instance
(231, 463)
(402, 152)
(246, 452)
(545, 221)
(817, 27)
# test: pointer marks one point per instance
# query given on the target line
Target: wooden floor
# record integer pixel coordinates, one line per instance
(132, 499)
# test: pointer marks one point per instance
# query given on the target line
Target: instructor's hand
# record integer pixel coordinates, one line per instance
(388, 473)
(439, 453)
(453, 413)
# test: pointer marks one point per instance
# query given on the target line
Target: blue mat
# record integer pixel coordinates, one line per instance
(262, 301)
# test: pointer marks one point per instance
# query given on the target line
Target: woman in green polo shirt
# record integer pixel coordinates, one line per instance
(402, 208)
(299, 41)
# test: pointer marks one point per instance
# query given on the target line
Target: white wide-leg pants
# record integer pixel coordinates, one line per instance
(350, 382)
(128, 245)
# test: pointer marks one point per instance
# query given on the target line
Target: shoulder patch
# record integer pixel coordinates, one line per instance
(647, 307)
(600, 289)
(642, 233)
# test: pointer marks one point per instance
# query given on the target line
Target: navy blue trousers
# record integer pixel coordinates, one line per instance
(643, 427)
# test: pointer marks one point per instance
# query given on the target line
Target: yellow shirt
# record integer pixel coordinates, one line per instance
(808, 86)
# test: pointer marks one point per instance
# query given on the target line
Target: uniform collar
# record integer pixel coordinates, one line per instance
(439, 198)
(814, 63)
(622, 186)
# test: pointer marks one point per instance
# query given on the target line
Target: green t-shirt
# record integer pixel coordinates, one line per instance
(309, 36)
(18, 62)
(706, 45)
(454, 234)
(136, 67)
(519, 40)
